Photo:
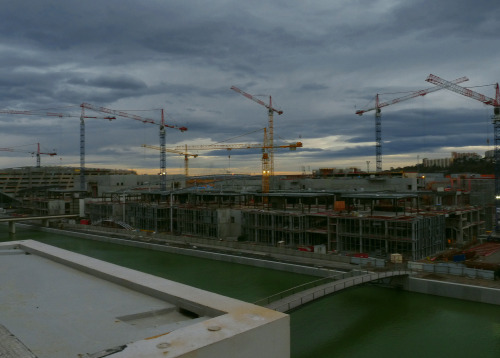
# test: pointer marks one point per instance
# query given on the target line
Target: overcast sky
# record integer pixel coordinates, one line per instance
(319, 60)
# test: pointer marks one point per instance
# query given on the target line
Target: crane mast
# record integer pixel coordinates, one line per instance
(267, 165)
(495, 102)
(268, 155)
(378, 116)
(38, 153)
(82, 143)
(163, 155)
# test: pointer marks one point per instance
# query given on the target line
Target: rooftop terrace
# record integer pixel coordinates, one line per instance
(61, 304)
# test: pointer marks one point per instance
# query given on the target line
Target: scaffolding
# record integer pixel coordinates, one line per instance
(412, 236)
(149, 216)
(273, 227)
(376, 224)
(197, 221)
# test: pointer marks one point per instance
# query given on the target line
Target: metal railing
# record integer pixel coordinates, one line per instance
(306, 286)
(338, 283)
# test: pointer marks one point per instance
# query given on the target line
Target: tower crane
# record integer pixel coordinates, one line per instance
(265, 156)
(38, 153)
(82, 132)
(184, 153)
(378, 116)
(268, 164)
(162, 125)
(495, 102)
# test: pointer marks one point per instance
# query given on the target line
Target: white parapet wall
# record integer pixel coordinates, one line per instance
(223, 327)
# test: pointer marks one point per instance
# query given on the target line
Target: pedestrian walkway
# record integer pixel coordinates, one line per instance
(291, 299)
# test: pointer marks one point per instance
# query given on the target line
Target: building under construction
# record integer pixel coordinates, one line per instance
(414, 216)
(338, 222)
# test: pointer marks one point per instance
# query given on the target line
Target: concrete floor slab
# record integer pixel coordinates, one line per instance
(61, 304)
(58, 311)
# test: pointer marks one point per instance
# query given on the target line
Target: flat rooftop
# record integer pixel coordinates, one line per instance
(58, 303)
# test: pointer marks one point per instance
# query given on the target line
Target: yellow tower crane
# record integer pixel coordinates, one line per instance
(265, 156)
(184, 153)
(268, 149)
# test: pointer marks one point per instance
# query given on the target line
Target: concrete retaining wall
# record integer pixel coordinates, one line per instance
(438, 288)
(264, 263)
(454, 290)
(238, 245)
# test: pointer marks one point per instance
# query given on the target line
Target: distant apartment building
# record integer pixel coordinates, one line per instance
(441, 162)
(15, 181)
(446, 162)
(490, 154)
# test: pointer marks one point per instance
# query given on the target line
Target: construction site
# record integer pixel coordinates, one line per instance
(360, 213)
(415, 218)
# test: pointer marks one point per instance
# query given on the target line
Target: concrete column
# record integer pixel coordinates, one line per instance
(328, 235)
(337, 235)
(12, 227)
(273, 231)
(360, 236)
(460, 233)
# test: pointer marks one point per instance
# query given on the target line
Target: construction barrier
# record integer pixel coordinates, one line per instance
(451, 269)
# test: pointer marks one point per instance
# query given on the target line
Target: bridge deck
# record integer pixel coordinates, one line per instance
(298, 299)
(46, 217)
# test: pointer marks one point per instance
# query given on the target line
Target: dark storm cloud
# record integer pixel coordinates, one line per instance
(320, 62)
(455, 18)
(111, 82)
(313, 87)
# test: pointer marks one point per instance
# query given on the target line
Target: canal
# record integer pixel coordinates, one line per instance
(368, 321)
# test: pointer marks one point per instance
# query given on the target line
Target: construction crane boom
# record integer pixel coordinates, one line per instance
(240, 146)
(133, 116)
(255, 99)
(378, 116)
(495, 102)
(52, 114)
(184, 153)
(452, 86)
(162, 125)
(408, 96)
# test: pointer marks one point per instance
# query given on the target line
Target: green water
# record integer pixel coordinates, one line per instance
(369, 321)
